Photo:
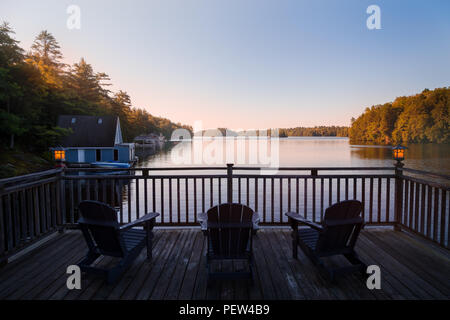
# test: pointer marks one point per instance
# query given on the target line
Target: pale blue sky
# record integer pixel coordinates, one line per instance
(251, 64)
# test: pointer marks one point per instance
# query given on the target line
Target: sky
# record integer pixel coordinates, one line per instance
(251, 64)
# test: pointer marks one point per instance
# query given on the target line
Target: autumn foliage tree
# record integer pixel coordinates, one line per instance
(36, 87)
(421, 118)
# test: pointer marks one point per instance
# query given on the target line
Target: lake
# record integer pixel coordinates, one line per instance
(320, 152)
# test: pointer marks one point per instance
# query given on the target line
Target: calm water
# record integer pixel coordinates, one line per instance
(312, 152)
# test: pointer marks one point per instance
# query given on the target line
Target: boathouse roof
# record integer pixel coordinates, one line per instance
(90, 131)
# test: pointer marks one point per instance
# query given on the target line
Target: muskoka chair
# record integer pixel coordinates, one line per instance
(104, 236)
(229, 229)
(336, 235)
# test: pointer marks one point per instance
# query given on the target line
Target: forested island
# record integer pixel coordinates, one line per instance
(36, 87)
(421, 118)
(318, 131)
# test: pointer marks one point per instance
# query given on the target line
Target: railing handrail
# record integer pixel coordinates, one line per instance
(30, 176)
(427, 173)
(234, 168)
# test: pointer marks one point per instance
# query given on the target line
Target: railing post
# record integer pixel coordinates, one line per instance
(229, 182)
(398, 195)
(62, 200)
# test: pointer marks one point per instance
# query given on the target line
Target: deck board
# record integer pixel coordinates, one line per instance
(411, 269)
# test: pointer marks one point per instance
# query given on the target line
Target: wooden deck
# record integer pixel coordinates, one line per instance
(411, 268)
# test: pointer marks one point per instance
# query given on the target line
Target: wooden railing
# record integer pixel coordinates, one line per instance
(33, 205)
(30, 208)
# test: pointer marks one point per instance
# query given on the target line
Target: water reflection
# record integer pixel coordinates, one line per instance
(328, 151)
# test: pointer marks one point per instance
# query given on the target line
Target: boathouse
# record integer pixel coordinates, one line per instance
(94, 139)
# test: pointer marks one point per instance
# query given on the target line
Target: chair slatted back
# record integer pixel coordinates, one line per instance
(98, 222)
(229, 228)
(342, 223)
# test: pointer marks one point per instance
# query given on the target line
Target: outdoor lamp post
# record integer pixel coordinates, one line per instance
(399, 154)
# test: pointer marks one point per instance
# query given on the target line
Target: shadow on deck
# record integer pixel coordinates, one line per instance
(411, 268)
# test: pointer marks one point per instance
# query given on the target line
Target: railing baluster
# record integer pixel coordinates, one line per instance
(388, 198)
(429, 205)
(289, 194)
(330, 190)
(297, 191)
(128, 199)
(71, 217)
(363, 197)
(346, 188)
(281, 199)
(8, 222)
(321, 199)
(120, 199)
(219, 186)
(239, 190)
(371, 201)
(411, 204)
(37, 224)
(443, 213)
(305, 198)
(203, 195)
(171, 200)
(162, 200)
(379, 201)
(248, 191)
(314, 199)
(264, 200)
(422, 209)
(154, 194)
(256, 194)
(211, 191)
(48, 207)
(23, 215)
(186, 192)
(2, 228)
(338, 189)
(96, 190)
(272, 200)
(195, 199)
(136, 193)
(405, 206)
(15, 216)
(436, 214)
(145, 191)
(416, 212)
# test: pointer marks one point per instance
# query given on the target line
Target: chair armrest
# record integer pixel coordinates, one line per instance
(142, 220)
(296, 217)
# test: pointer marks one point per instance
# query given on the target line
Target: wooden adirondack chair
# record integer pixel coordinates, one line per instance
(104, 236)
(229, 229)
(336, 235)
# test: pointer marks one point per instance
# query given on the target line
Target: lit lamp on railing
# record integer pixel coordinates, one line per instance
(59, 155)
(399, 154)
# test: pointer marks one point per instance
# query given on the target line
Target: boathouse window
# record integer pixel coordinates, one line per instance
(74, 120)
(98, 155)
(116, 155)
(100, 121)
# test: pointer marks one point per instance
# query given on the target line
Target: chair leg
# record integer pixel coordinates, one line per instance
(354, 259)
(294, 249)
